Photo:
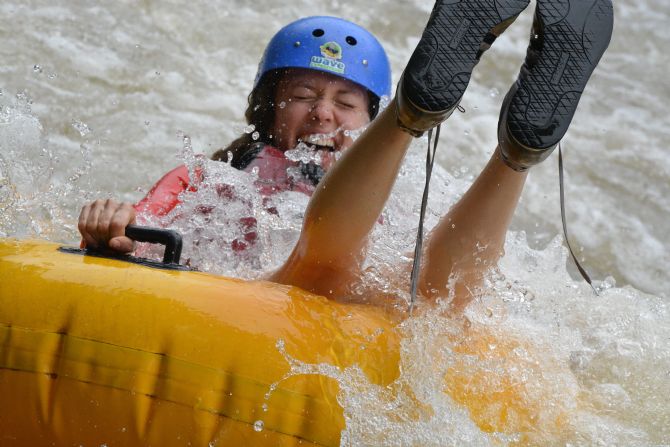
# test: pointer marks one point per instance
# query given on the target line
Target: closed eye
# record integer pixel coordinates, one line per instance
(303, 93)
(350, 100)
(347, 105)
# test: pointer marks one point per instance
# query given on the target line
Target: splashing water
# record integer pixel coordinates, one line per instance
(588, 370)
(304, 153)
(533, 362)
(227, 226)
(33, 200)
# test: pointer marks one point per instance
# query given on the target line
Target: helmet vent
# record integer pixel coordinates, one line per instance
(351, 40)
(318, 32)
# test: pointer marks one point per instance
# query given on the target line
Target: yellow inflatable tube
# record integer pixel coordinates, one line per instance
(97, 351)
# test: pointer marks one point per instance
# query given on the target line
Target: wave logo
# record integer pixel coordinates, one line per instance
(331, 53)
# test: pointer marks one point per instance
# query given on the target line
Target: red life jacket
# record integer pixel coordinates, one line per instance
(271, 167)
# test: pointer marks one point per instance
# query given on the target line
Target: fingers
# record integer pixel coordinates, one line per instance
(123, 216)
(103, 223)
(88, 222)
(122, 244)
(81, 226)
(104, 218)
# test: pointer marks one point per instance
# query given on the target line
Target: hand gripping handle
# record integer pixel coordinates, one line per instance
(170, 238)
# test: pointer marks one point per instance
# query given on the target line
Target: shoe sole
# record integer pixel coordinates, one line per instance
(449, 49)
(541, 104)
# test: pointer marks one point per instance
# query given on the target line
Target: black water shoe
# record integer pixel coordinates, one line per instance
(567, 41)
(457, 34)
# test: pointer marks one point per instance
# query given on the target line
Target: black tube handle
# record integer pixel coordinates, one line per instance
(170, 238)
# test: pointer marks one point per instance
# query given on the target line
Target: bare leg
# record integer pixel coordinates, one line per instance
(344, 209)
(469, 240)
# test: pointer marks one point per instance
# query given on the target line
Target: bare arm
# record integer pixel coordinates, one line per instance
(344, 209)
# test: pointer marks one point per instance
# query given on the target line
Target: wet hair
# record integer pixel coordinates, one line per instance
(261, 113)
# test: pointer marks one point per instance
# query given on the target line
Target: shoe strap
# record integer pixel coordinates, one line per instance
(418, 247)
(581, 269)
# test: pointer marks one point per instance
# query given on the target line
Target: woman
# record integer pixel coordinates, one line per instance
(319, 94)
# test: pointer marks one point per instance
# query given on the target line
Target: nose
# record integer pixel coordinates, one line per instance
(323, 111)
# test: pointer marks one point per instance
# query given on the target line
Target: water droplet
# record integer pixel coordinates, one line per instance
(282, 104)
(494, 92)
(37, 68)
(146, 123)
(23, 98)
(264, 407)
(158, 73)
(258, 426)
(255, 136)
(466, 132)
(250, 128)
(365, 62)
(80, 127)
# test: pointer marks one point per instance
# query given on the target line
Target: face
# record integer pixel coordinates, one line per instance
(317, 108)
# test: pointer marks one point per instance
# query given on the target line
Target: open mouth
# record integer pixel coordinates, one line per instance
(319, 142)
(318, 147)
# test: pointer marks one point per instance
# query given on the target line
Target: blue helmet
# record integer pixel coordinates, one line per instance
(331, 45)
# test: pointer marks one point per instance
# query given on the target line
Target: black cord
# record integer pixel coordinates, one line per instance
(581, 269)
(430, 160)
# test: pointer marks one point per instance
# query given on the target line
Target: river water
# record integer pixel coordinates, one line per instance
(101, 100)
